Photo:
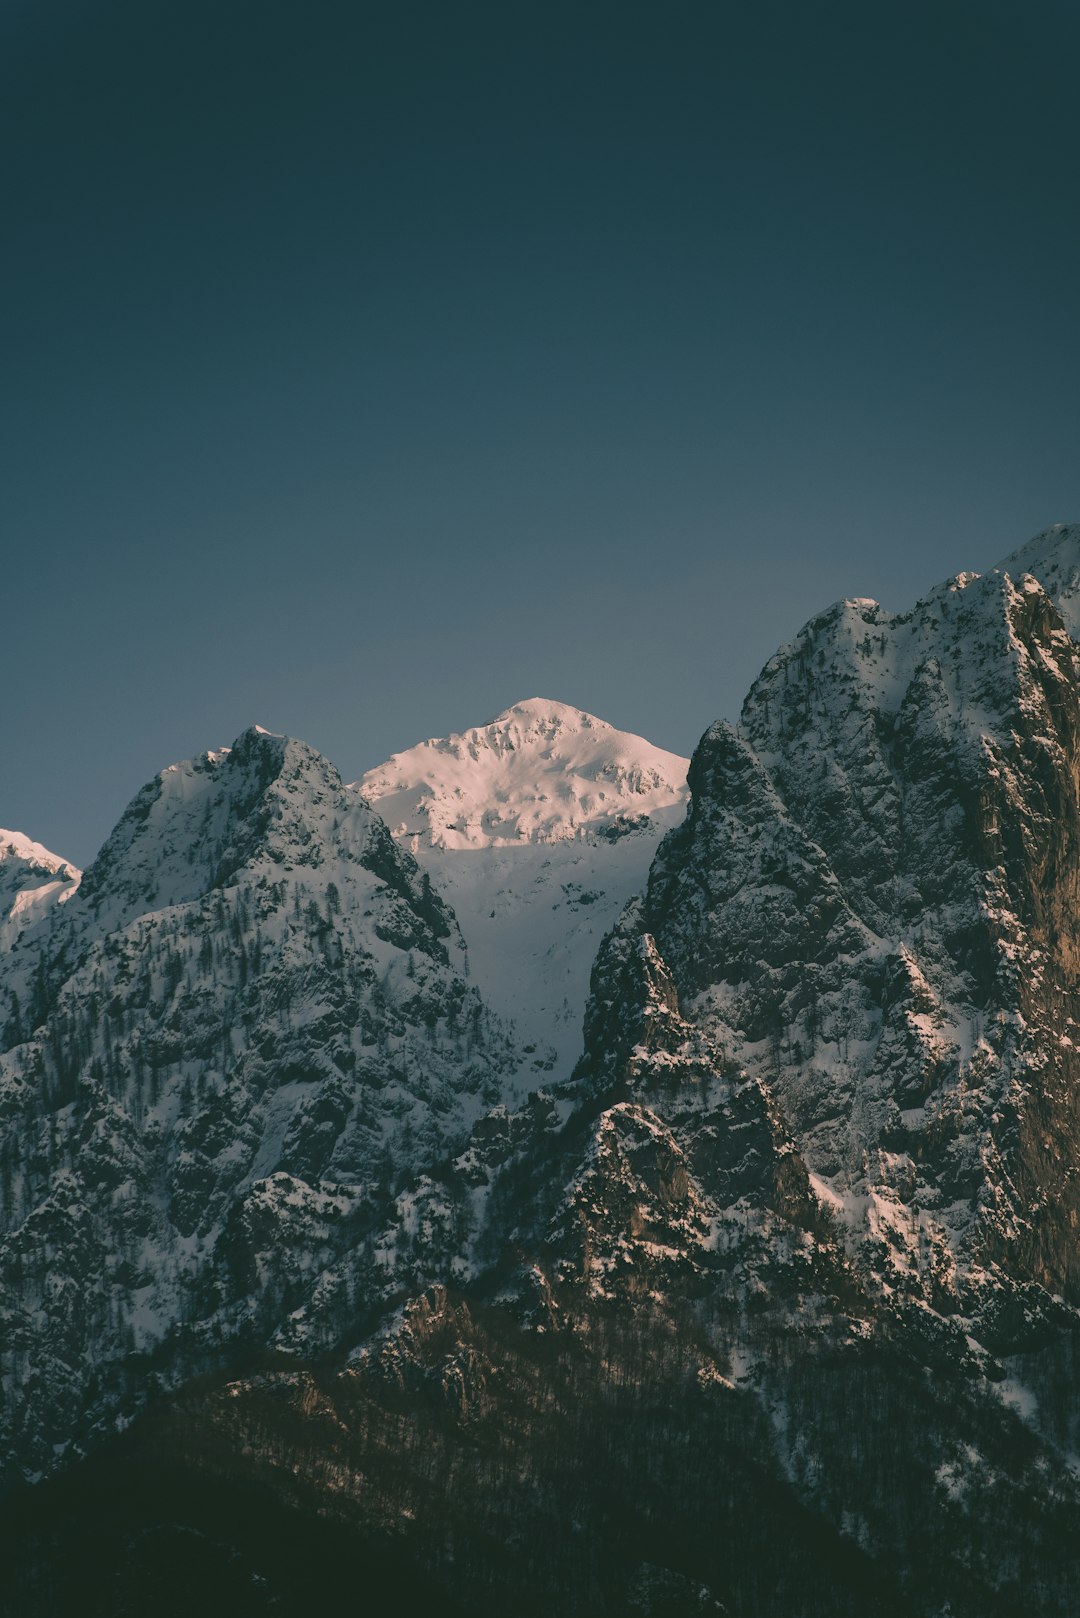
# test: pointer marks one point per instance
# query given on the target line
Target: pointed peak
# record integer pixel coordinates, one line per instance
(273, 754)
(1053, 558)
(541, 771)
(251, 737)
(257, 736)
(1046, 545)
(16, 847)
(198, 822)
(33, 881)
(546, 711)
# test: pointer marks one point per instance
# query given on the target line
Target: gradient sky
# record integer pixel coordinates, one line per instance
(366, 368)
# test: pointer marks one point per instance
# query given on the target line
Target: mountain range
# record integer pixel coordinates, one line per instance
(550, 1176)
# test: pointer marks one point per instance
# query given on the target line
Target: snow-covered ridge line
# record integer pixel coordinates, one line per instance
(541, 772)
(32, 881)
(14, 846)
(536, 828)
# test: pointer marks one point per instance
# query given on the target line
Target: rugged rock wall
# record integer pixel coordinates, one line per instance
(241, 1038)
(871, 914)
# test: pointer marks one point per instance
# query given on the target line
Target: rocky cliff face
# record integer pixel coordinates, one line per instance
(871, 915)
(244, 1033)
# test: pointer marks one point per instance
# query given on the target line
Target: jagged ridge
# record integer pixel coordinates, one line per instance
(242, 1031)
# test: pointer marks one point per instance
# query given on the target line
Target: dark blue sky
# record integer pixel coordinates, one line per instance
(367, 368)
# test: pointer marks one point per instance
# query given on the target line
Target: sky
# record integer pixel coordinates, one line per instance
(367, 368)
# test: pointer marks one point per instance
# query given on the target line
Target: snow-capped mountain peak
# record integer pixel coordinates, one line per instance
(32, 880)
(540, 772)
(201, 819)
(537, 828)
(18, 852)
(1052, 557)
(253, 1014)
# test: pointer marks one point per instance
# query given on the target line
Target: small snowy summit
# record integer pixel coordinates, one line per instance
(537, 828)
(541, 772)
(32, 880)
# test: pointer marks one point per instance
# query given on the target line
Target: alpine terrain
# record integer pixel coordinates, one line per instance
(31, 881)
(509, 1185)
(536, 828)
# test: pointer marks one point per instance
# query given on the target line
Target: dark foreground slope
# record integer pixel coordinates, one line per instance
(483, 1470)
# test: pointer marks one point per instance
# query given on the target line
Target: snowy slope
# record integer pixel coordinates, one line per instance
(536, 828)
(32, 880)
(541, 772)
(1052, 557)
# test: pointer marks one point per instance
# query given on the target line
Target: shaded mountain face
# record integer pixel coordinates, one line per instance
(237, 1036)
(536, 828)
(871, 916)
